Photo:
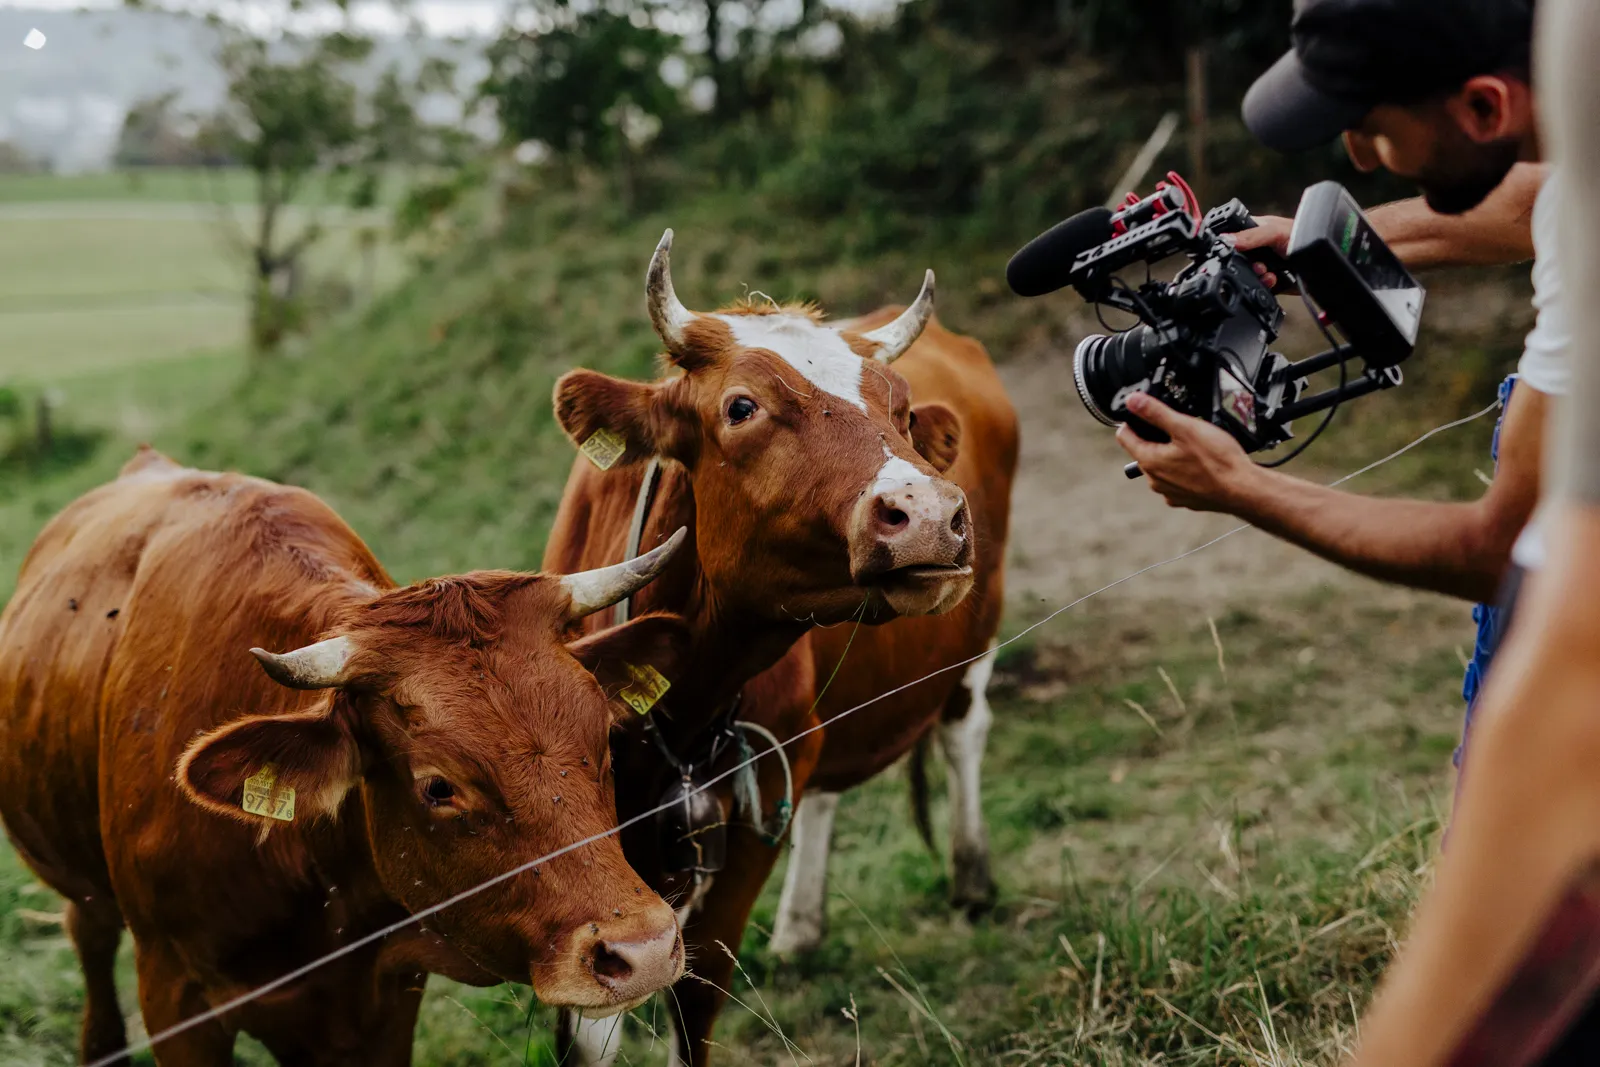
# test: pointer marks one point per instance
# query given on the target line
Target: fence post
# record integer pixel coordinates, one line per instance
(1198, 108)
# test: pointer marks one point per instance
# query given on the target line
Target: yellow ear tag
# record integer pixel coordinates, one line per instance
(646, 689)
(264, 796)
(604, 448)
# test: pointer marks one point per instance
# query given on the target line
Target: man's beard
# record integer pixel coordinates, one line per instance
(1466, 182)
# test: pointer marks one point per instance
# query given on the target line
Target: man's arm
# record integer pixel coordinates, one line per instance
(1499, 230)
(1458, 549)
(1478, 972)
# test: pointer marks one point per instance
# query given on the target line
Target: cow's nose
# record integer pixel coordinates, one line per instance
(634, 959)
(912, 524)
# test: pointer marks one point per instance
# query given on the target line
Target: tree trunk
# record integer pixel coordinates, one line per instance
(719, 74)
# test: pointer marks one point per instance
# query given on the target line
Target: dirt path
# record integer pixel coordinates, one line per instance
(1078, 523)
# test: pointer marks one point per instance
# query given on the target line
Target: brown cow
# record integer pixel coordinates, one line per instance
(955, 371)
(792, 452)
(431, 738)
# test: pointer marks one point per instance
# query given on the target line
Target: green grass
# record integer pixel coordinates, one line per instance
(108, 270)
(173, 184)
(1258, 854)
(1247, 861)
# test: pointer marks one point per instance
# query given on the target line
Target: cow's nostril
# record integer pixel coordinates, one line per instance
(891, 517)
(958, 522)
(610, 965)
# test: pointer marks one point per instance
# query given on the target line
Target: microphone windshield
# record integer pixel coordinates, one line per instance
(1045, 263)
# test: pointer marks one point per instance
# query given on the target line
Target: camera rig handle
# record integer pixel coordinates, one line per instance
(1371, 380)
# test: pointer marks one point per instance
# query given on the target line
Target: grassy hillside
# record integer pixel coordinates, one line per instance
(437, 403)
(1215, 875)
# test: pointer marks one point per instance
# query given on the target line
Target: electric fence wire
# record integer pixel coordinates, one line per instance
(424, 913)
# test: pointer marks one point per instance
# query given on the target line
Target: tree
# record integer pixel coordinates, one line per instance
(154, 134)
(318, 128)
(590, 88)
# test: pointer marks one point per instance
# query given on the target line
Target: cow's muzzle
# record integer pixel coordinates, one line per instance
(911, 544)
(613, 966)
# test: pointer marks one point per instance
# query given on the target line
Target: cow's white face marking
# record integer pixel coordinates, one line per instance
(896, 473)
(818, 352)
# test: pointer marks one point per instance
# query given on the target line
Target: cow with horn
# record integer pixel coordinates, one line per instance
(244, 818)
(810, 463)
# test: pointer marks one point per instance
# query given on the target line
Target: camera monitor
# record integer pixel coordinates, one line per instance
(1354, 276)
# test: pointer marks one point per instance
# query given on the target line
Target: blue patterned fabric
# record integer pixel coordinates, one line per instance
(1487, 616)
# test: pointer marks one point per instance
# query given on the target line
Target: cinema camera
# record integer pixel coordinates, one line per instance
(1202, 345)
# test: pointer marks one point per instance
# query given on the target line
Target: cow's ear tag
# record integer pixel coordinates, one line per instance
(264, 796)
(645, 690)
(604, 448)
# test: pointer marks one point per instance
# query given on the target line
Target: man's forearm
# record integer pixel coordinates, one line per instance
(1440, 547)
(1500, 230)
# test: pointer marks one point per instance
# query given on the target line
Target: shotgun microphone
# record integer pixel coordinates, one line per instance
(1045, 263)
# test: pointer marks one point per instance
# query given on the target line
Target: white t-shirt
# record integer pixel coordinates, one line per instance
(1544, 363)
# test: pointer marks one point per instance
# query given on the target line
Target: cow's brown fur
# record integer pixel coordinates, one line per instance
(770, 531)
(131, 711)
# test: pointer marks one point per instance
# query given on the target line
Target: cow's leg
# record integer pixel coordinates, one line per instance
(718, 921)
(351, 1019)
(96, 931)
(803, 907)
(963, 733)
(167, 997)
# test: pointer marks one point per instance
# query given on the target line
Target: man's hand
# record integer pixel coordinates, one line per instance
(1271, 232)
(1202, 468)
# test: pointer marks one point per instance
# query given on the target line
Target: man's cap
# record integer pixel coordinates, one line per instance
(1351, 55)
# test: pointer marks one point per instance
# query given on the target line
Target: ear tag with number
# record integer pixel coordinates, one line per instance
(264, 796)
(604, 448)
(646, 689)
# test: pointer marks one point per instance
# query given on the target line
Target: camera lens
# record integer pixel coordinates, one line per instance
(1102, 366)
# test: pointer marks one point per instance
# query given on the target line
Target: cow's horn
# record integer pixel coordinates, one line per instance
(318, 666)
(902, 333)
(605, 586)
(667, 313)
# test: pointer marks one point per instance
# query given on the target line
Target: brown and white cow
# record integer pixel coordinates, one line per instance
(422, 741)
(792, 451)
(980, 456)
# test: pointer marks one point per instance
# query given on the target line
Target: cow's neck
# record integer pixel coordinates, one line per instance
(730, 644)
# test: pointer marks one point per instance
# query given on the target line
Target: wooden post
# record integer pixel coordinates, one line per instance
(1197, 124)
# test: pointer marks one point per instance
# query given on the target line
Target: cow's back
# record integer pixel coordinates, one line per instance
(119, 646)
(956, 371)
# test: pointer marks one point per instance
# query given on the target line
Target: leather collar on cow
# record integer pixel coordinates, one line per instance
(690, 825)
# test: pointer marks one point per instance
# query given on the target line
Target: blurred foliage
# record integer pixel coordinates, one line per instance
(155, 134)
(972, 116)
(296, 117)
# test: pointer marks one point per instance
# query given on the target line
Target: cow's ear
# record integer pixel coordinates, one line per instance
(601, 413)
(633, 661)
(936, 435)
(298, 766)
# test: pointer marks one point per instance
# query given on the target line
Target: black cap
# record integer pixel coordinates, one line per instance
(1351, 55)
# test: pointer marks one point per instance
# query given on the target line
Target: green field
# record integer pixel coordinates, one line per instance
(104, 271)
(1207, 841)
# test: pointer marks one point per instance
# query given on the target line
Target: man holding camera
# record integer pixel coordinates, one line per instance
(1439, 93)
(1503, 957)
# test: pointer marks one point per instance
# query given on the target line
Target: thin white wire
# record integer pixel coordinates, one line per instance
(418, 916)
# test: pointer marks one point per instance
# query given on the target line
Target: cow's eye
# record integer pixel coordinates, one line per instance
(740, 408)
(438, 793)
